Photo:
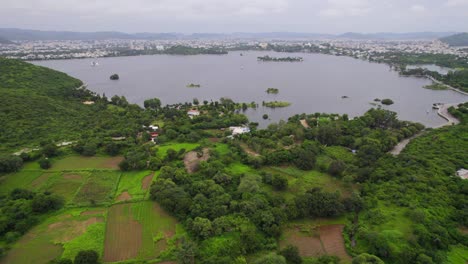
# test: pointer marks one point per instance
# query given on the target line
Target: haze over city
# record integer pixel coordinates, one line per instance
(188, 16)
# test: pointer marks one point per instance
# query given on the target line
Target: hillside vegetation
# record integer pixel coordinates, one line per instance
(456, 40)
(40, 104)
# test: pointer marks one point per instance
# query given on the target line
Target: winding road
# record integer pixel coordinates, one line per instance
(442, 112)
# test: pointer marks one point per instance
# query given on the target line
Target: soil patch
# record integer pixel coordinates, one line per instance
(324, 240)
(93, 212)
(70, 229)
(41, 180)
(214, 140)
(113, 163)
(249, 150)
(191, 159)
(125, 196)
(333, 242)
(146, 182)
(308, 245)
(72, 177)
(123, 234)
(304, 123)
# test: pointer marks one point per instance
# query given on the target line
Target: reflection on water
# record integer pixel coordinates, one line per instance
(315, 85)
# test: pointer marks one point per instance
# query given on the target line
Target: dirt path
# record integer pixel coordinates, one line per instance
(249, 150)
(402, 144)
(442, 112)
(446, 85)
(304, 123)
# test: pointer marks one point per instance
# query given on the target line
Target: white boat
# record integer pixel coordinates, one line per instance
(94, 63)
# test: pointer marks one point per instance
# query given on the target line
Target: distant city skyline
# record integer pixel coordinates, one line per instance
(227, 16)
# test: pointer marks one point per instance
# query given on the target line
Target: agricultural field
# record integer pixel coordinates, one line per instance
(315, 238)
(300, 181)
(61, 235)
(86, 163)
(143, 229)
(134, 185)
(162, 150)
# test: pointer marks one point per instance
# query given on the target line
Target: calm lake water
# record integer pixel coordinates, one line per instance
(315, 85)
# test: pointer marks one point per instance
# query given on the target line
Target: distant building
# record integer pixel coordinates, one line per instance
(193, 112)
(462, 173)
(239, 130)
(154, 128)
(88, 102)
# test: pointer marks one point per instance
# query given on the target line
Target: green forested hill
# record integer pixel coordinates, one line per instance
(456, 40)
(39, 104)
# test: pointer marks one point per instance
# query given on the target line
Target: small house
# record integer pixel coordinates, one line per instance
(239, 130)
(154, 128)
(462, 173)
(193, 112)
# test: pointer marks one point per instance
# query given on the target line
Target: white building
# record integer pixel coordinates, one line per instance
(239, 130)
(462, 173)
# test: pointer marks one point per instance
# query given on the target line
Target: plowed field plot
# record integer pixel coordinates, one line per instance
(318, 241)
(84, 163)
(137, 231)
(61, 235)
(99, 188)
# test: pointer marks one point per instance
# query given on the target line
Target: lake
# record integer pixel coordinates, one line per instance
(315, 85)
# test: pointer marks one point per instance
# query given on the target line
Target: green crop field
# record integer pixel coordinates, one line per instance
(149, 232)
(133, 183)
(300, 181)
(99, 188)
(162, 150)
(61, 235)
(20, 179)
(85, 163)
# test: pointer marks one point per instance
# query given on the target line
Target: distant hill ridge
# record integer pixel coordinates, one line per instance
(27, 34)
(5, 41)
(456, 40)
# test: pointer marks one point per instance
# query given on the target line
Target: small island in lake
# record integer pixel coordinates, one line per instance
(272, 90)
(114, 76)
(276, 59)
(276, 104)
(387, 102)
(192, 85)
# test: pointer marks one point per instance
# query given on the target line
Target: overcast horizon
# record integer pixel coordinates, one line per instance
(228, 16)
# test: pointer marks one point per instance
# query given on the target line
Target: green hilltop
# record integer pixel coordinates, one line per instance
(456, 40)
(40, 104)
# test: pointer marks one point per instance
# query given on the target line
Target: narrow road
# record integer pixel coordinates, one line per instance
(446, 85)
(442, 112)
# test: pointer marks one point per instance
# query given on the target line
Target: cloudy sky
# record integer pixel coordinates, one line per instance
(321, 16)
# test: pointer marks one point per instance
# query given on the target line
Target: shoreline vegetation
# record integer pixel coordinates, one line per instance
(272, 91)
(436, 86)
(192, 85)
(276, 104)
(250, 194)
(280, 59)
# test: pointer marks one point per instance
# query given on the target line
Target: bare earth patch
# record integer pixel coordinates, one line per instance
(93, 212)
(71, 229)
(304, 123)
(324, 240)
(333, 242)
(113, 163)
(214, 140)
(191, 159)
(309, 245)
(146, 182)
(125, 196)
(123, 234)
(72, 177)
(248, 150)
